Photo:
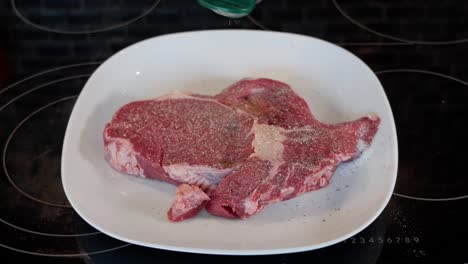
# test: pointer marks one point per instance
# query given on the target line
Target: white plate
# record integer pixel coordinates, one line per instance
(338, 87)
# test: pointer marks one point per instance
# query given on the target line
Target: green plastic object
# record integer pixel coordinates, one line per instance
(229, 8)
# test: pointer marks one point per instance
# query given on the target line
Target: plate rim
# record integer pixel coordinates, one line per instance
(239, 252)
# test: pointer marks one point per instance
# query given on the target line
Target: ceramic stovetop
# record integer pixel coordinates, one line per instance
(418, 49)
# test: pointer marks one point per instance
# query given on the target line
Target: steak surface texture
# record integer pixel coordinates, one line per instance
(178, 138)
(254, 144)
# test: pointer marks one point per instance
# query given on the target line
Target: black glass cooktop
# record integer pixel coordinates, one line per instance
(418, 49)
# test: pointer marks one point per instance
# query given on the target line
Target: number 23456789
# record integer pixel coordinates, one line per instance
(382, 240)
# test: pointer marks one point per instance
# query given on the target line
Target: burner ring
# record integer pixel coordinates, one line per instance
(387, 36)
(427, 199)
(39, 253)
(64, 255)
(29, 196)
(61, 31)
(21, 123)
(45, 72)
(257, 23)
(395, 43)
(431, 199)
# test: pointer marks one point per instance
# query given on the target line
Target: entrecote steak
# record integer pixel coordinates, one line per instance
(178, 138)
(254, 144)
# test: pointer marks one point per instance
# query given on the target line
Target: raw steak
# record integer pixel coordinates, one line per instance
(178, 138)
(189, 200)
(269, 101)
(289, 162)
(293, 152)
(258, 132)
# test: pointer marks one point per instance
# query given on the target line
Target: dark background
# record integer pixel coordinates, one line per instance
(419, 50)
